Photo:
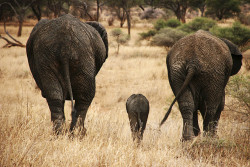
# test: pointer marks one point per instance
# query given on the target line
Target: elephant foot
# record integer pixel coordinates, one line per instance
(187, 138)
(188, 132)
(58, 126)
(82, 132)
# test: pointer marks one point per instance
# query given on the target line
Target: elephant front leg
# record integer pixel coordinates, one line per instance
(57, 114)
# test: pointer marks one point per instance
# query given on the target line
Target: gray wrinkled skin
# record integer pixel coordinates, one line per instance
(199, 67)
(137, 107)
(64, 56)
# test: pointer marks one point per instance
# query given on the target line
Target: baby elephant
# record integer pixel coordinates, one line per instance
(137, 107)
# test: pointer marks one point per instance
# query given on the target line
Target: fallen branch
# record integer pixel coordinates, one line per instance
(10, 43)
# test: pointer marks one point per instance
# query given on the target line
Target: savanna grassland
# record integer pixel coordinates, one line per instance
(27, 139)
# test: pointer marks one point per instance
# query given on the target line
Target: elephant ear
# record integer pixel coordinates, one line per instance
(236, 56)
(103, 33)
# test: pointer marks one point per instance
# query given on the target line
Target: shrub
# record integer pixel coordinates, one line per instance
(151, 13)
(197, 24)
(111, 21)
(167, 37)
(244, 19)
(147, 35)
(173, 23)
(120, 37)
(159, 24)
(238, 34)
(238, 88)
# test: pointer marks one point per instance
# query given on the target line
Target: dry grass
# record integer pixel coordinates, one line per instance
(27, 139)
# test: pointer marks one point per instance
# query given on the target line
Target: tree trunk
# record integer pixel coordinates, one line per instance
(19, 33)
(97, 10)
(183, 10)
(128, 20)
(37, 12)
(202, 9)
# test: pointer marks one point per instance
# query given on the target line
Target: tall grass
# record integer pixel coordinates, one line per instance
(27, 139)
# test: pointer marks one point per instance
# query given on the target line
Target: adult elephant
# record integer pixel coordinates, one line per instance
(64, 56)
(199, 66)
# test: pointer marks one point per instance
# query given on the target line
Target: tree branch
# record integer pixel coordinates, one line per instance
(10, 43)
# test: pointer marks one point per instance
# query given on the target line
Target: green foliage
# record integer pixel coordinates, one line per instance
(197, 24)
(173, 23)
(147, 35)
(222, 9)
(116, 32)
(159, 24)
(120, 37)
(238, 33)
(167, 37)
(238, 87)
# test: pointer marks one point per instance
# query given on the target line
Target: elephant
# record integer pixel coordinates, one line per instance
(137, 107)
(64, 56)
(199, 66)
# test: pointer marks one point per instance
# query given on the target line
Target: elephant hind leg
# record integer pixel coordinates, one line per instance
(80, 115)
(211, 114)
(196, 127)
(187, 108)
(57, 114)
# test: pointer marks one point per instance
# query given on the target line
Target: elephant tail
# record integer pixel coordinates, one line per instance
(191, 73)
(67, 78)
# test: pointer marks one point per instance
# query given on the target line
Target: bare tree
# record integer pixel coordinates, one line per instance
(20, 8)
(57, 6)
(9, 42)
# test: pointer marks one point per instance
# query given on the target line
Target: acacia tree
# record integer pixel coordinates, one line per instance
(20, 8)
(200, 4)
(179, 7)
(58, 6)
(119, 11)
(37, 8)
(126, 5)
(223, 9)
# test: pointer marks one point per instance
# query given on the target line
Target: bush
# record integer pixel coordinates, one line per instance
(147, 35)
(197, 24)
(151, 13)
(238, 88)
(238, 34)
(120, 37)
(173, 23)
(167, 37)
(244, 19)
(159, 24)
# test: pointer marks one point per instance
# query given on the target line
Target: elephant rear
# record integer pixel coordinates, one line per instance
(137, 107)
(64, 56)
(199, 66)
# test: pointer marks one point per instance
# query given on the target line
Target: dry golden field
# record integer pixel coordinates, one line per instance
(27, 139)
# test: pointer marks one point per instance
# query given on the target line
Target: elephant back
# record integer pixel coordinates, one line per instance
(202, 50)
(137, 103)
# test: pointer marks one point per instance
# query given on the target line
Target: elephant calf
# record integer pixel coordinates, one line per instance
(137, 107)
